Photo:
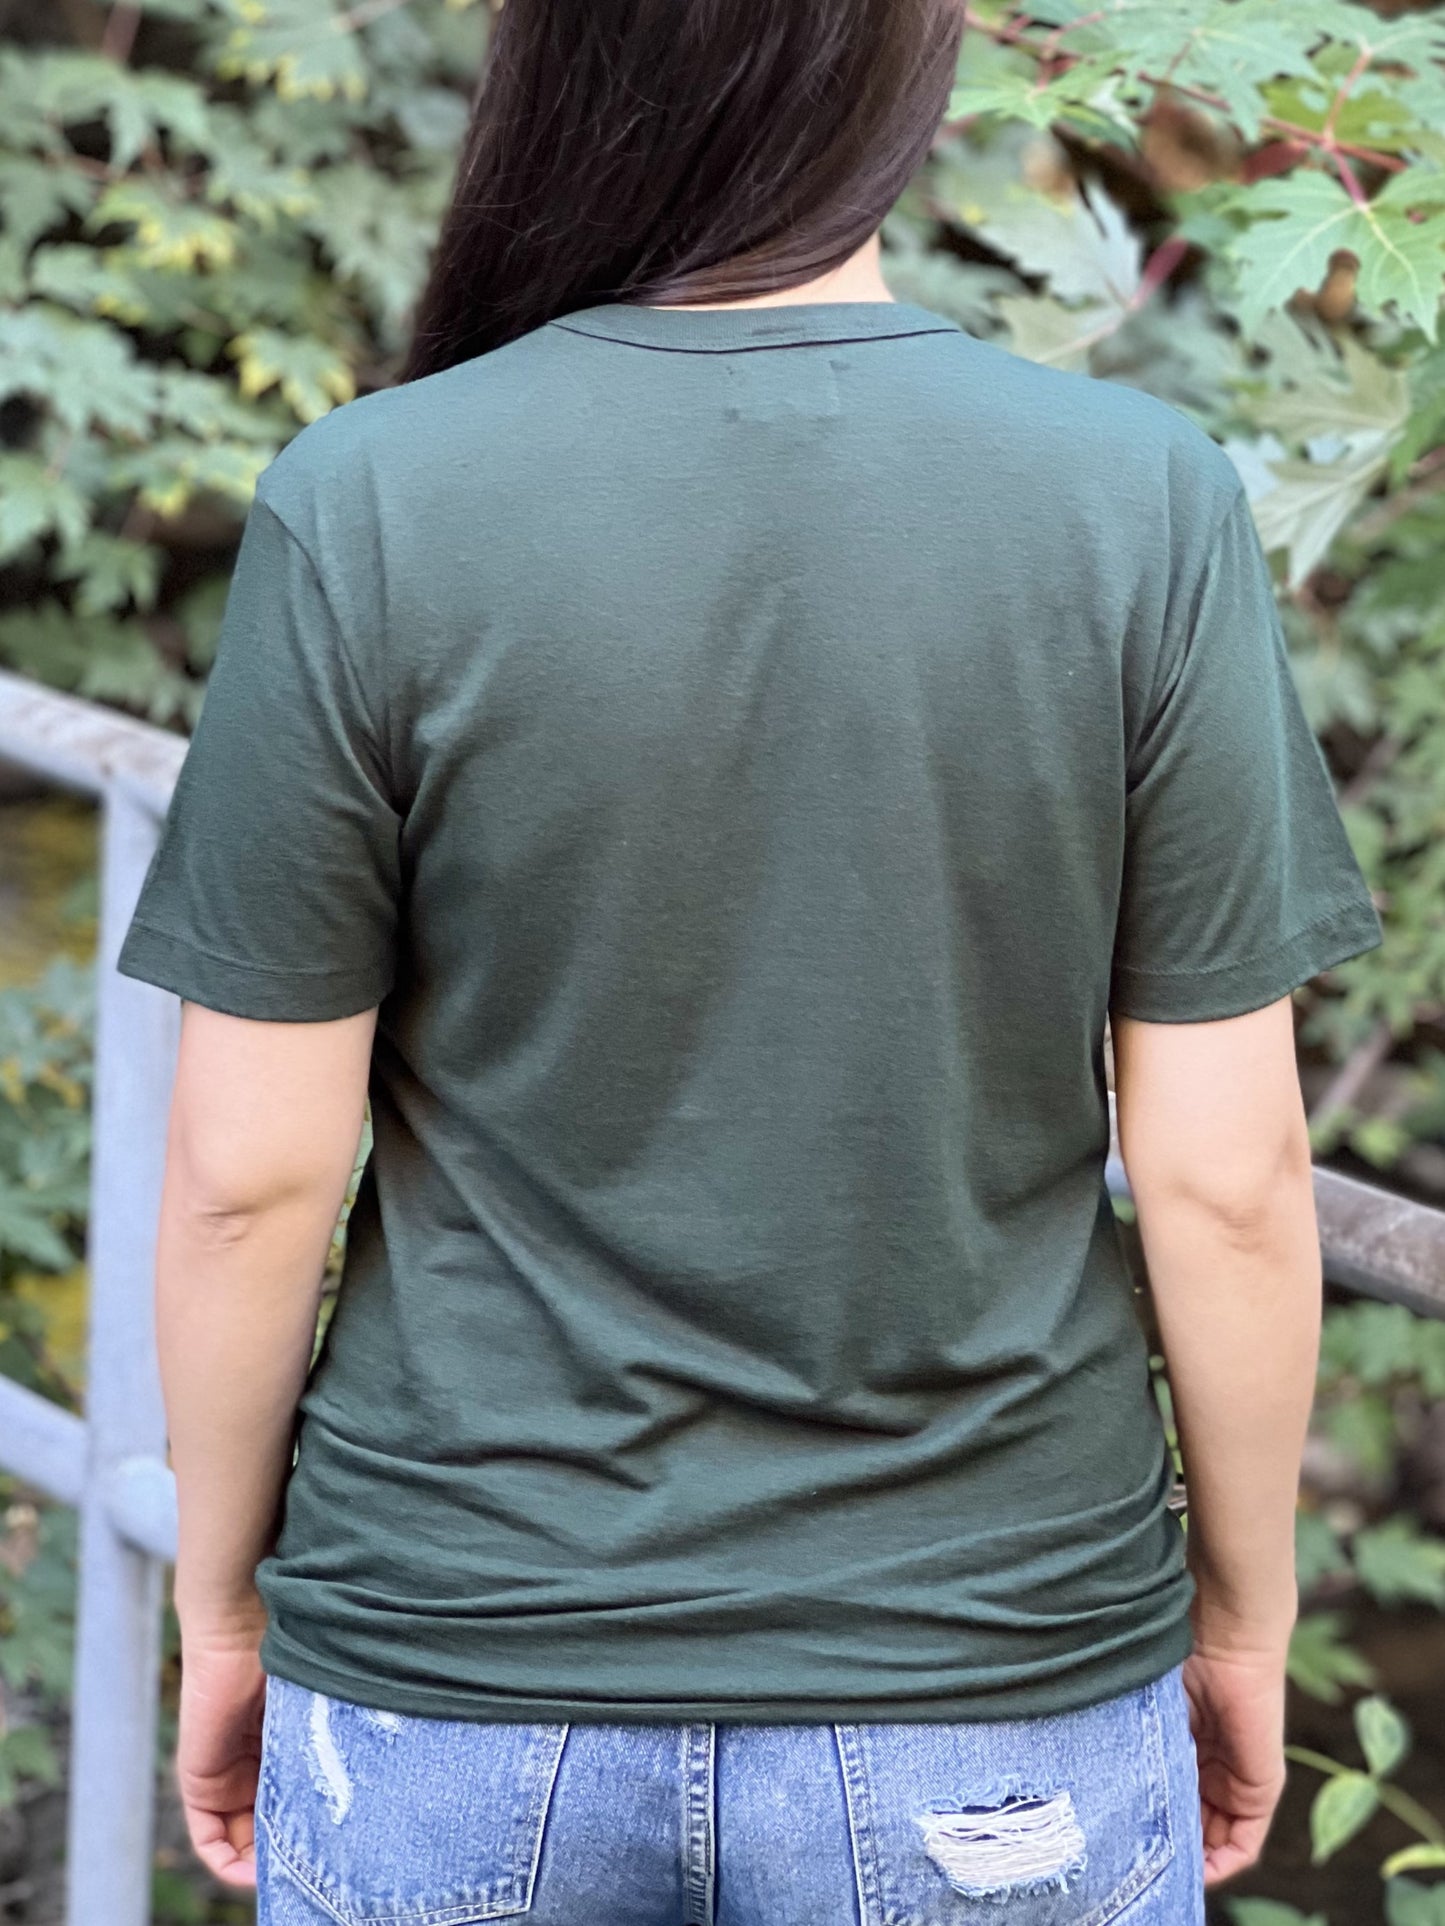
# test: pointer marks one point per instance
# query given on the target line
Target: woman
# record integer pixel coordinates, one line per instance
(706, 755)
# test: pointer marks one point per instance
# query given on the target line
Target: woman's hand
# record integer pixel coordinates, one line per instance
(1236, 1712)
(218, 1757)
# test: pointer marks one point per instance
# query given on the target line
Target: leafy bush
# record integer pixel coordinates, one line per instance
(216, 215)
(45, 1072)
(45, 1076)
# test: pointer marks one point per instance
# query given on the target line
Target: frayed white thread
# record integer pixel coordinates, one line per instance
(1025, 1842)
(328, 1771)
(387, 1723)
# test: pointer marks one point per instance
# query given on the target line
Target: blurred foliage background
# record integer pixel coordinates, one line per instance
(215, 216)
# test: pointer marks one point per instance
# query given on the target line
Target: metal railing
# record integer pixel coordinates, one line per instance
(111, 1465)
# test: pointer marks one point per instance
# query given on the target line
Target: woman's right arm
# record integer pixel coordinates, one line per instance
(1214, 1138)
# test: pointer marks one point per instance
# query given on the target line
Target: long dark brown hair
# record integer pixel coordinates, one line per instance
(677, 151)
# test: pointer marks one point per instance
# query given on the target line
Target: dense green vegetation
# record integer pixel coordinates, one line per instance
(216, 214)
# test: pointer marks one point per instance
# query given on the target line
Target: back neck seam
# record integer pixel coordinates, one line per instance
(751, 347)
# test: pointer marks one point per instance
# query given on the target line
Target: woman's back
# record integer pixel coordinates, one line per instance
(745, 754)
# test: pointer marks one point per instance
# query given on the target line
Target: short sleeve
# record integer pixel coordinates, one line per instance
(1239, 881)
(273, 891)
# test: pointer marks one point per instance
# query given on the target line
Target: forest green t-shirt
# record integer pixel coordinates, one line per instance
(745, 755)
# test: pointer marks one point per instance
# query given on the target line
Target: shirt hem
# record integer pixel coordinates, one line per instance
(1234, 989)
(1110, 1677)
(241, 989)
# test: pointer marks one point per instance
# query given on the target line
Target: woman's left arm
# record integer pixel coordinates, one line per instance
(264, 1126)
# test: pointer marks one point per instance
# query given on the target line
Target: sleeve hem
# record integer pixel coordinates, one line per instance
(1234, 989)
(242, 989)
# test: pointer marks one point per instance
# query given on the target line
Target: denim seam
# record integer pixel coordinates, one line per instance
(307, 1885)
(545, 1783)
(497, 1901)
(479, 1910)
(501, 1899)
(699, 1780)
(858, 1799)
(1148, 1869)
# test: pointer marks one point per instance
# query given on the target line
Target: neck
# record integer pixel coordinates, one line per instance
(859, 278)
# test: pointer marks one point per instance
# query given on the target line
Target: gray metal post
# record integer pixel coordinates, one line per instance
(118, 1645)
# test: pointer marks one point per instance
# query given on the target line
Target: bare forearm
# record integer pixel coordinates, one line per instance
(1239, 1319)
(237, 1299)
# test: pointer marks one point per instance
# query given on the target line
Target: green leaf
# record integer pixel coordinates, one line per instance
(378, 232)
(1338, 390)
(1426, 426)
(1397, 1562)
(29, 1230)
(432, 118)
(169, 230)
(30, 1754)
(206, 406)
(1233, 50)
(1296, 224)
(1320, 1663)
(103, 658)
(1310, 502)
(96, 281)
(1379, 1140)
(311, 375)
(965, 291)
(1411, 38)
(110, 571)
(1342, 1806)
(70, 88)
(304, 48)
(1270, 1912)
(1012, 93)
(1363, 1427)
(245, 174)
(1384, 1736)
(1317, 1550)
(36, 501)
(1081, 243)
(36, 196)
(1376, 1343)
(1042, 329)
(1348, 408)
(171, 471)
(1407, 1904)
(1402, 251)
(83, 371)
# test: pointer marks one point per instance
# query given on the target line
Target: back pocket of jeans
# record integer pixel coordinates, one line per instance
(408, 1821)
(1056, 1821)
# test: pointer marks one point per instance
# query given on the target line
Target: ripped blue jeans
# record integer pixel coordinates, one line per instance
(1080, 1819)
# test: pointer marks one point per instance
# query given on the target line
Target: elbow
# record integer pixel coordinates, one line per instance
(214, 1222)
(223, 1198)
(1244, 1197)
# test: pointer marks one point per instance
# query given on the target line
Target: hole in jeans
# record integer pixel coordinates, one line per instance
(1019, 1845)
(328, 1768)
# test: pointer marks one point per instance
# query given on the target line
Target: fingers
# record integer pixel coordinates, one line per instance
(225, 1844)
(1231, 1844)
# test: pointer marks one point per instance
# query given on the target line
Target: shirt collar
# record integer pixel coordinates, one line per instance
(690, 330)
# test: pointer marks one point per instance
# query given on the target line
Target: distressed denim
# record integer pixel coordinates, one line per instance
(1079, 1819)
